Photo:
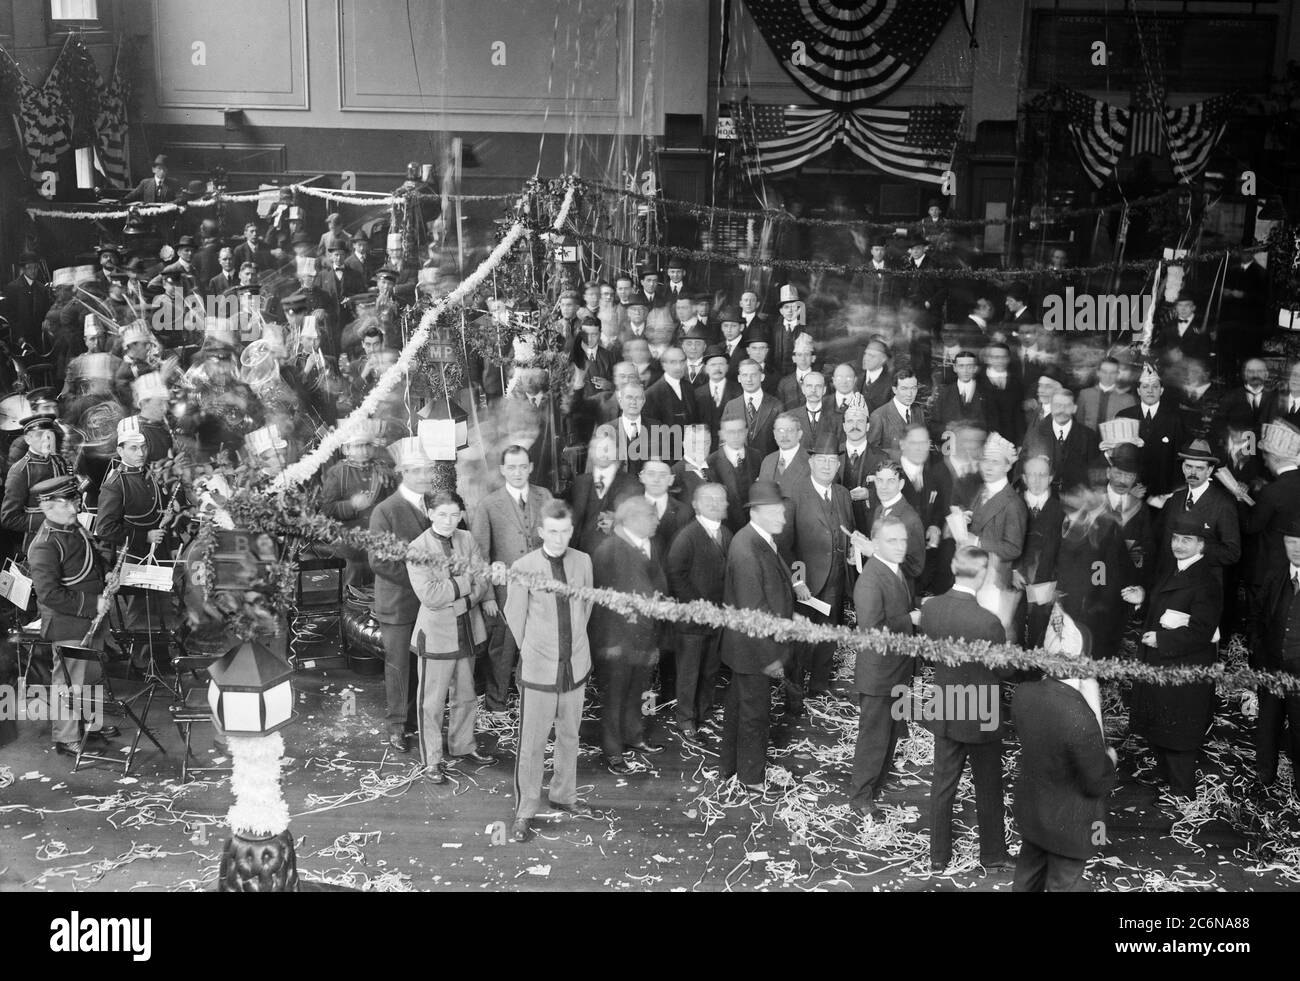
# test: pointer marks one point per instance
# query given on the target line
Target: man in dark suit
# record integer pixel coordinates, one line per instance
(594, 494)
(1037, 563)
(858, 463)
(819, 509)
(338, 282)
(1073, 448)
(1254, 399)
(785, 335)
(1209, 504)
(756, 407)
(671, 400)
(1277, 504)
(653, 292)
(697, 563)
(1182, 334)
(404, 514)
(627, 650)
(732, 326)
(1161, 431)
(887, 493)
(638, 434)
(790, 388)
(752, 322)
(965, 398)
(26, 302)
(693, 468)
(756, 579)
(1004, 393)
(736, 465)
(877, 380)
(158, 189)
(253, 250)
(968, 725)
(1066, 774)
(673, 514)
(816, 415)
(712, 395)
(1275, 647)
(504, 526)
(1183, 613)
(677, 287)
(890, 421)
(788, 463)
(882, 602)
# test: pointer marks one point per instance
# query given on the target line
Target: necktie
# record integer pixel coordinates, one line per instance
(780, 466)
(751, 413)
(1035, 510)
(827, 496)
(717, 396)
(1101, 407)
(812, 417)
(564, 629)
(600, 486)
(853, 460)
(1254, 401)
(523, 506)
(1295, 584)
(1189, 501)
(636, 430)
(1148, 413)
(740, 458)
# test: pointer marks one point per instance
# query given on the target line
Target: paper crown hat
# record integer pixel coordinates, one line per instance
(998, 445)
(128, 431)
(1280, 438)
(149, 386)
(367, 431)
(135, 331)
(1119, 431)
(789, 293)
(261, 440)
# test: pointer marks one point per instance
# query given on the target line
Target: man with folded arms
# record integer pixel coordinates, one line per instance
(554, 665)
(448, 629)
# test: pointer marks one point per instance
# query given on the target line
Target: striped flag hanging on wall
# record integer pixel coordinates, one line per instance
(45, 131)
(1098, 131)
(916, 143)
(851, 51)
(1194, 131)
(1146, 129)
(111, 129)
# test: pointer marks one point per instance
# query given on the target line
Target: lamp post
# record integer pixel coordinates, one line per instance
(251, 695)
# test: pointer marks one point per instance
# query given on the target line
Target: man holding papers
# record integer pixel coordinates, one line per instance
(1181, 626)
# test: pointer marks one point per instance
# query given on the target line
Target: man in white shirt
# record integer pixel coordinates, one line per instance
(875, 374)
(844, 384)
(790, 389)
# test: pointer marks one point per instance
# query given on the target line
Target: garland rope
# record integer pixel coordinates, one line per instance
(274, 514)
(304, 469)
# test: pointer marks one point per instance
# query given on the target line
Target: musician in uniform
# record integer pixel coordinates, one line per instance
(137, 347)
(351, 489)
(68, 579)
(21, 510)
(152, 399)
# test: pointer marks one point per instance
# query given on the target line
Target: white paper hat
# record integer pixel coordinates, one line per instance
(261, 440)
(128, 431)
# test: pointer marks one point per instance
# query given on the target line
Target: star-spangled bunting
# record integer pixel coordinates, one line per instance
(111, 129)
(45, 133)
(856, 50)
(915, 143)
(1103, 133)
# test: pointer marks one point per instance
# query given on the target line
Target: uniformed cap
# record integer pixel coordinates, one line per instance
(44, 402)
(108, 247)
(39, 423)
(296, 302)
(1186, 523)
(387, 272)
(61, 488)
(174, 273)
(149, 386)
(360, 299)
(570, 295)
(264, 440)
(128, 431)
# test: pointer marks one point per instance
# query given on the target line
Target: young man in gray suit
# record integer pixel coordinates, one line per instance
(505, 527)
(554, 665)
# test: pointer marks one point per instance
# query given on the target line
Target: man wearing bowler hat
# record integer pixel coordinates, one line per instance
(756, 579)
(68, 579)
(26, 301)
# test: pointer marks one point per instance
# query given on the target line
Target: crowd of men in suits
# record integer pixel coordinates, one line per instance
(976, 478)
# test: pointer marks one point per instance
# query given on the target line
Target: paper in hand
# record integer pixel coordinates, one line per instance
(1174, 619)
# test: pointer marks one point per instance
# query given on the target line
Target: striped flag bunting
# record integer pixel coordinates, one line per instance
(916, 143)
(853, 51)
(111, 129)
(1098, 131)
(44, 126)
(1194, 132)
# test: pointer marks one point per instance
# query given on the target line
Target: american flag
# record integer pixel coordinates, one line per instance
(110, 129)
(1146, 128)
(915, 143)
(1194, 131)
(45, 131)
(1098, 131)
(857, 50)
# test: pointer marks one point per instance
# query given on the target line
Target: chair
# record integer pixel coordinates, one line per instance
(160, 641)
(112, 703)
(34, 655)
(318, 606)
(191, 706)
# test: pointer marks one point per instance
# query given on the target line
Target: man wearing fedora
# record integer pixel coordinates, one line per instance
(756, 579)
(21, 510)
(158, 189)
(405, 514)
(68, 580)
(1182, 625)
(1208, 503)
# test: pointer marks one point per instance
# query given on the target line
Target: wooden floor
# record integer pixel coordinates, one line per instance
(359, 818)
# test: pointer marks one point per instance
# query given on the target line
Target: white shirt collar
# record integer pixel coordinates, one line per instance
(765, 536)
(416, 500)
(709, 525)
(675, 384)
(913, 470)
(959, 588)
(1105, 388)
(1285, 468)
(520, 496)
(1113, 498)
(1198, 492)
(660, 503)
(627, 422)
(903, 410)
(891, 566)
(1064, 430)
(755, 397)
(855, 447)
(873, 375)
(892, 501)
(641, 543)
(1185, 564)
(733, 456)
(1037, 500)
(787, 456)
(995, 487)
(1294, 571)
(821, 489)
